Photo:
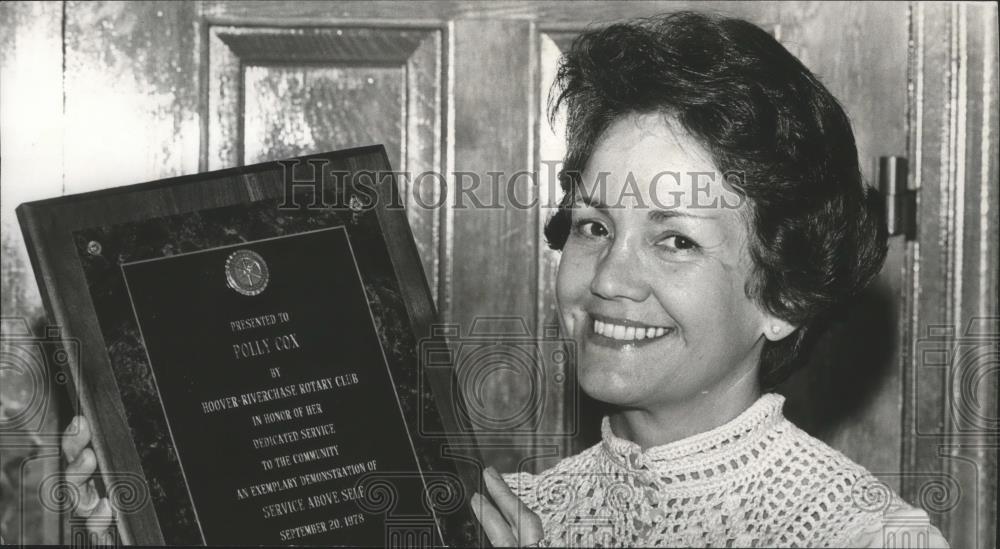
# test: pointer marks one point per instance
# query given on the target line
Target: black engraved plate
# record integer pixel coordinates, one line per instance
(275, 388)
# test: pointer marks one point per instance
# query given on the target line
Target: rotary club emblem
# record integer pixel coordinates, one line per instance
(246, 272)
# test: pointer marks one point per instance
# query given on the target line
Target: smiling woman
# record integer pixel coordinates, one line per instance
(678, 275)
(686, 307)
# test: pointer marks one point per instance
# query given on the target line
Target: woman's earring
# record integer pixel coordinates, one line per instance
(775, 329)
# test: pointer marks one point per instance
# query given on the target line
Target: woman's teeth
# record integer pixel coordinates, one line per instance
(628, 333)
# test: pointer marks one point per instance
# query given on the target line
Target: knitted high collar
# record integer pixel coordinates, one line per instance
(705, 456)
(756, 481)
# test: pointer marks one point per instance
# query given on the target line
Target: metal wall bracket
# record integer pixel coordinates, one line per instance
(900, 201)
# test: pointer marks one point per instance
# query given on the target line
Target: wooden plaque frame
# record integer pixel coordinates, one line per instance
(53, 230)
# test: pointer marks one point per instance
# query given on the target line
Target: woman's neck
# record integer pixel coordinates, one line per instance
(672, 421)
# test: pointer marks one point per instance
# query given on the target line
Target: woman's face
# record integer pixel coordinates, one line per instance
(652, 279)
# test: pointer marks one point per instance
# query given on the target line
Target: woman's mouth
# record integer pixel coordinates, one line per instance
(618, 332)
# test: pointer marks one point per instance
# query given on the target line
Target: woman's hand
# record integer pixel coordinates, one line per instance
(513, 525)
(79, 473)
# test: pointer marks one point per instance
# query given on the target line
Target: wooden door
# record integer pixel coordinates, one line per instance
(464, 93)
(154, 89)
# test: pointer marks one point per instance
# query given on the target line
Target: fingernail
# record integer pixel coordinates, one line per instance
(74, 422)
(493, 473)
(474, 501)
(92, 499)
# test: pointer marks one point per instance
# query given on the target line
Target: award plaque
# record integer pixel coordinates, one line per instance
(250, 357)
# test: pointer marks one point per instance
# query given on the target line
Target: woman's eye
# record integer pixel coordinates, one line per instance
(591, 229)
(679, 243)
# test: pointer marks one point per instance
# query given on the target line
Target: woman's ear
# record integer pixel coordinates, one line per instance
(776, 329)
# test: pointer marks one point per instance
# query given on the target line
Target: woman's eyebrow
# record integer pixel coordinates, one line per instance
(654, 215)
(660, 216)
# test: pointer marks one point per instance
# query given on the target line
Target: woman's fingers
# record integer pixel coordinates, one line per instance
(82, 463)
(100, 520)
(80, 469)
(494, 524)
(79, 474)
(75, 438)
(525, 523)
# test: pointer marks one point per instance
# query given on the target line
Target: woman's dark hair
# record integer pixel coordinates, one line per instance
(817, 232)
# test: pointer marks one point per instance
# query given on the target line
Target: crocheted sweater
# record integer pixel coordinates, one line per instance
(755, 481)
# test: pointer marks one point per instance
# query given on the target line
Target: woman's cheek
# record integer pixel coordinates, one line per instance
(572, 287)
(570, 306)
(569, 323)
(572, 279)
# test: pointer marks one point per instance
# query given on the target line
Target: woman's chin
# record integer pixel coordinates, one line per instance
(610, 386)
(632, 384)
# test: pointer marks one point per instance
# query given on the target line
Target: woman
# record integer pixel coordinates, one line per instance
(714, 212)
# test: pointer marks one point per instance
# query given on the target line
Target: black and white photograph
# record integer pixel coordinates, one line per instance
(510, 273)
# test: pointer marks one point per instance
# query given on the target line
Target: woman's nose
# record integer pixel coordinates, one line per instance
(618, 275)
